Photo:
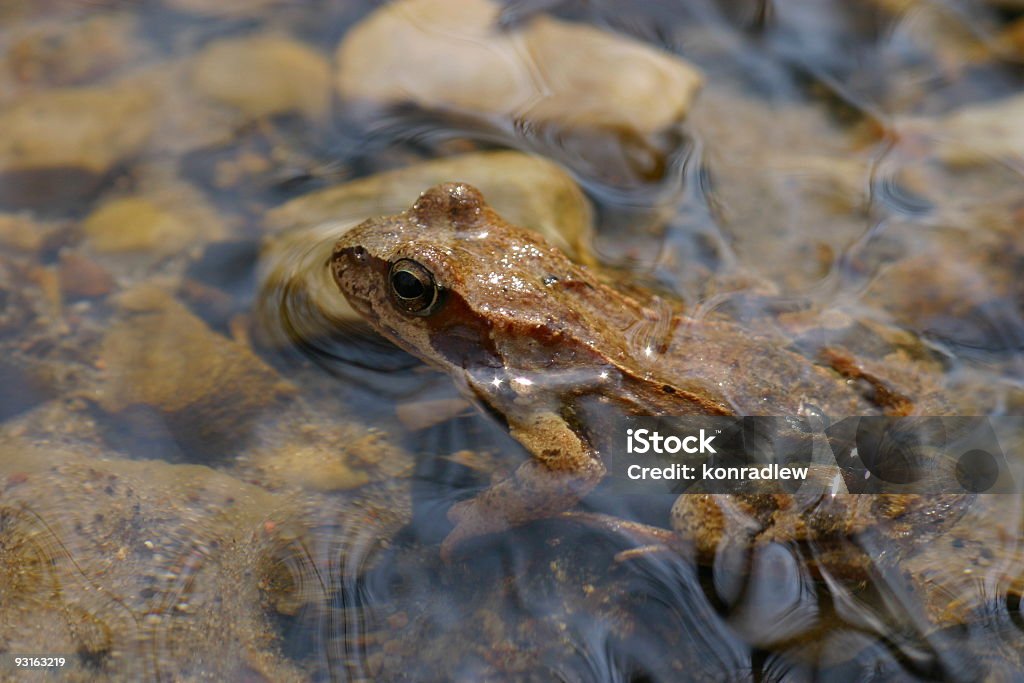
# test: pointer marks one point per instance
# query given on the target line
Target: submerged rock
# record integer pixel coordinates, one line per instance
(31, 368)
(772, 192)
(83, 278)
(327, 455)
(165, 369)
(21, 302)
(454, 57)
(61, 52)
(135, 224)
(225, 8)
(20, 232)
(58, 145)
(973, 302)
(134, 570)
(983, 133)
(165, 218)
(263, 76)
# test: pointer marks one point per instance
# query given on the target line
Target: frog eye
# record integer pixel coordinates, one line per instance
(413, 288)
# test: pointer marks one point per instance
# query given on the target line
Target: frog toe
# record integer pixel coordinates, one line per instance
(470, 522)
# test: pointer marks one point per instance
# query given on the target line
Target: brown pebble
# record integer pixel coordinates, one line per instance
(16, 478)
(398, 620)
(417, 415)
(211, 303)
(83, 278)
(49, 282)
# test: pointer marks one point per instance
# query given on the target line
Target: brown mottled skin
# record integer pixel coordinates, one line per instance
(543, 343)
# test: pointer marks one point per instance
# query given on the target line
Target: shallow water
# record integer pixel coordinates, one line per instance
(210, 470)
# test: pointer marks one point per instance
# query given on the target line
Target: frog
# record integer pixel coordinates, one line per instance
(552, 349)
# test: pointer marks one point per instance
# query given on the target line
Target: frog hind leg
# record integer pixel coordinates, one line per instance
(887, 397)
(563, 469)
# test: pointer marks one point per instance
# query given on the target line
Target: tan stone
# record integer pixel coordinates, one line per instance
(263, 75)
(136, 224)
(312, 467)
(225, 8)
(160, 358)
(184, 120)
(140, 544)
(82, 128)
(61, 52)
(21, 232)
(83, 278)
(774, 192)
(981, 133)
(451, 55)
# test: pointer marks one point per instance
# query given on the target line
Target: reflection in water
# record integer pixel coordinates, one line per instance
(210, 468)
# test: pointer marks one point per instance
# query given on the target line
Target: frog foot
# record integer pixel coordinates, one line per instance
(533, 492)
(654, 540)
(471, 518)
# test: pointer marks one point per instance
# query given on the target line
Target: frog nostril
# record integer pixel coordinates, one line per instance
(352, 256)
(346, 255)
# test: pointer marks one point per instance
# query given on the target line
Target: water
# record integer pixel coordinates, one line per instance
(211, 470)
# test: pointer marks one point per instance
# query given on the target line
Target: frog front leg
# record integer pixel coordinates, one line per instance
(563, 468)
